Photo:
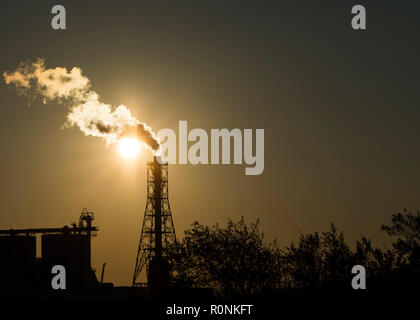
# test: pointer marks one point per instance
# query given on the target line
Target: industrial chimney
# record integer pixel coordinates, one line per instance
(158, 232)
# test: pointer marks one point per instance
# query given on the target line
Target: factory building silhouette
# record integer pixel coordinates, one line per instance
(70, 246)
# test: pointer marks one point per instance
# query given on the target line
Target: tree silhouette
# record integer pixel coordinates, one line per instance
(303, 262)
(378, 264)
(318, 261)
(236, 261)
(406, 227)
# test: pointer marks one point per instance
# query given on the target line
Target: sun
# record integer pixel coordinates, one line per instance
(129, 147)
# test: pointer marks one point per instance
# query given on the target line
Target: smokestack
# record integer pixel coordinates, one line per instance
(157, 172)
(158, 232)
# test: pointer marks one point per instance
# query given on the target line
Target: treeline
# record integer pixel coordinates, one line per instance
(235, 260)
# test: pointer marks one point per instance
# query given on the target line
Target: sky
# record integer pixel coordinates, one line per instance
(339, 109)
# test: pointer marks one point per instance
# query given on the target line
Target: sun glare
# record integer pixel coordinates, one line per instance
(129, 147)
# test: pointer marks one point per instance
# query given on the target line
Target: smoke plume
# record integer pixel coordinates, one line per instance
(86, 111)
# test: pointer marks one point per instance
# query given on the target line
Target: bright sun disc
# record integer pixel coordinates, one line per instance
(129, 147)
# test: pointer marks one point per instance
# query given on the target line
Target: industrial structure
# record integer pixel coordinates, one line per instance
(66, 246)
(24, 274)
(70, 246)
(158, 232)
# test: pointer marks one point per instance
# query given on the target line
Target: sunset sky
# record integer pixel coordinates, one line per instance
(339, 108)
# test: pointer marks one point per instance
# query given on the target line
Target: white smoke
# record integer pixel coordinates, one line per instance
(93, 117)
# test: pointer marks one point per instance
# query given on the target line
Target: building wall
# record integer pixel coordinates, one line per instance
(72, 252)
(18, 258)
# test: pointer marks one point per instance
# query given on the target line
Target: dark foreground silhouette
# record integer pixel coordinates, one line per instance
(236, 261)
(234, 265)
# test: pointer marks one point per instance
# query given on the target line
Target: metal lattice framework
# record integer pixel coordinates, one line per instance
(158, 231)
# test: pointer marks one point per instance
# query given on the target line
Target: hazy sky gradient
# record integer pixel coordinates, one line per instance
(339, 108)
